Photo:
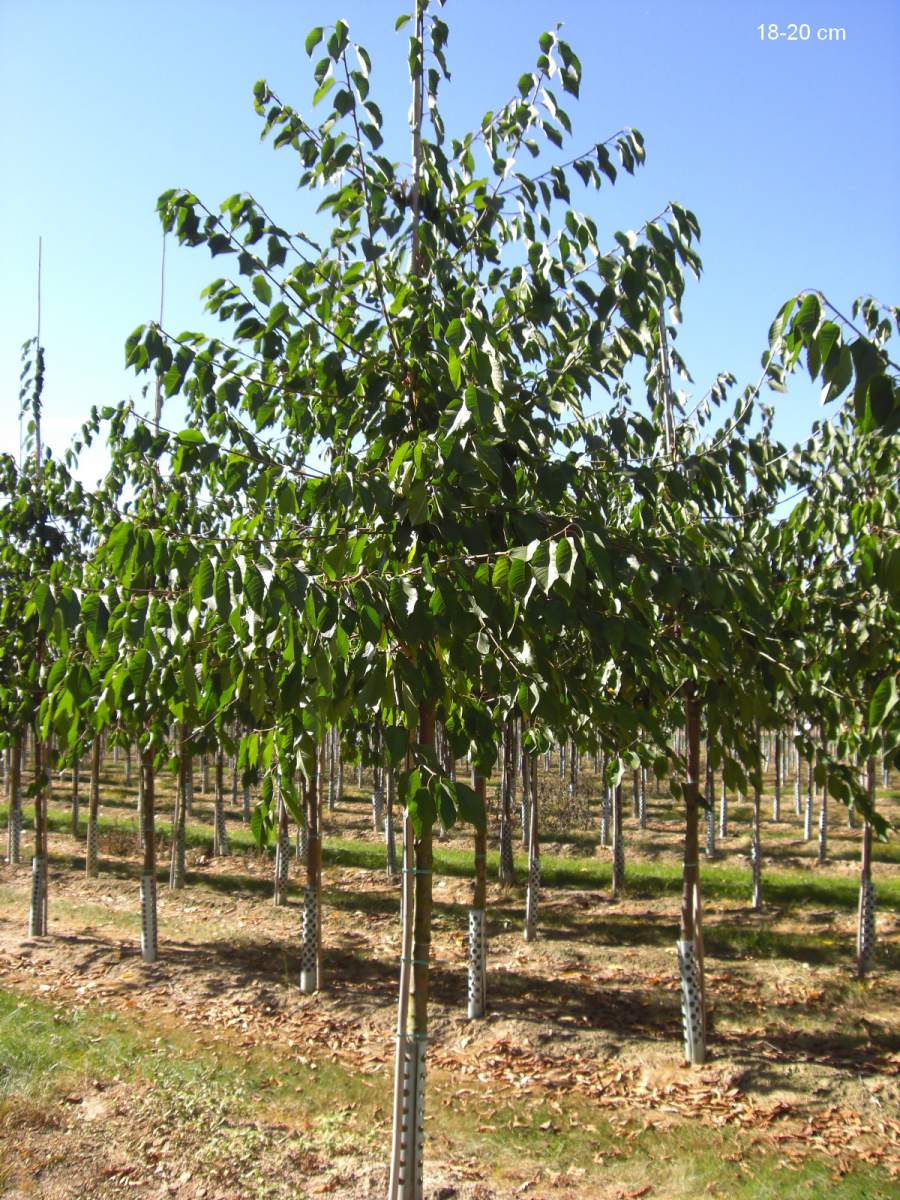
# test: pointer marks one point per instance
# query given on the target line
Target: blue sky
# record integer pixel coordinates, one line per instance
(786, 151)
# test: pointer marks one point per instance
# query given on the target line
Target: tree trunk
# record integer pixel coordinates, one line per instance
(618, 844)
(148, 870)
(390, 843)
(90, 856)
(311, 933)
(477, 933)
(689, 961)
(709, 807)
(506, 869)
(865, 930)
(776, 787)
(37, 923)
(412, 1034)
(14, 824)
(378, 800)
(282, 852)
(823, 823)
(636, 794)
(76, 796)
(534, 861)
(176, 862)
(755, 846)
(220, 832)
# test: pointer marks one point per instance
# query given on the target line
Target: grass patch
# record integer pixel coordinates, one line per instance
(230, 1111)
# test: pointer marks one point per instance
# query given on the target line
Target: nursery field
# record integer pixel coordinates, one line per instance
(207, 1075)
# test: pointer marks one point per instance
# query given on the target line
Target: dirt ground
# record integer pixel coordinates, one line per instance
(571, 1084)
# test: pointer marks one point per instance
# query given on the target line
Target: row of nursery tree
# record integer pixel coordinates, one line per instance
(394, 510)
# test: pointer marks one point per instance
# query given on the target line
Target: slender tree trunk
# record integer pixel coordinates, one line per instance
(14, 824)
(709, 806)
(636, 794)
(642, 798)
(477, 933)
(605, 813)
(282, 853)
(390, 842)
(412, 1028)
(865, 931)
(76, 796)
(776, 787)
(177, 863)
(91, 849)
(689, 960)
(378, 800)
(755, 846)
(534, 861)
(332, 767)
(220, 832)
(618, 844)
(405, 1141)
(37, 924)
(311, 933)
(506, 869)
(823, 823)
(149, 939)
(521, 763)
(140, 804)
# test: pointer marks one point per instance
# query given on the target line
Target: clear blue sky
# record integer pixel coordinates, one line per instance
(787, 152)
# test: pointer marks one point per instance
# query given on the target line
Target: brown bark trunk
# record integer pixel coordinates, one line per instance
(691, 863)
(479, 890)
(148, 814)
(15, 810)
(90, 865)
(422, 902)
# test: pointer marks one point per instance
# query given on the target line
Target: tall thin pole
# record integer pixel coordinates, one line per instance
(39, 366)
(157, 410)
(666, 384)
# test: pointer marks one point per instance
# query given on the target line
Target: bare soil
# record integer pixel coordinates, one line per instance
(582, 1032)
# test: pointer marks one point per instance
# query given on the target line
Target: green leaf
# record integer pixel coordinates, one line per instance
(254, 587)
(139, 668)
(565, 559)
(396, 741)
(518, 576)
(809, 313)
(883, 701)
(313, 38)
(454, 367)
(261, 824)
(469, 807)
(203, 582)
(417, 502)
(455, 332)
(262, 289)
(543, 564)
(322, 91)
(446, 805)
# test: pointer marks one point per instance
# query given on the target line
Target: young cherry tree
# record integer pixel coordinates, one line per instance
(431, 349)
